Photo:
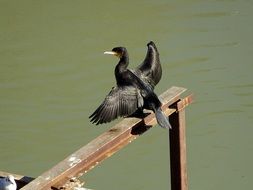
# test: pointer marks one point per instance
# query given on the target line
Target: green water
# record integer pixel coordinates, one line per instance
(53, 74)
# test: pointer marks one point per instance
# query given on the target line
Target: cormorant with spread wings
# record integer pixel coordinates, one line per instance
(134, 90)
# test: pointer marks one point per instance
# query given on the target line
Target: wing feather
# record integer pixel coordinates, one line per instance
(150, 70)
(121, 101)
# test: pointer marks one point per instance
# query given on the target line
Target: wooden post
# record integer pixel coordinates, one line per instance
(177, 141)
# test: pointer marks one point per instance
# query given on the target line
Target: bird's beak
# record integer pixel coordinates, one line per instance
(110, 53)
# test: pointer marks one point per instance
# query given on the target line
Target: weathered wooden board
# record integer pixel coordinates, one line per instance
(103, 146)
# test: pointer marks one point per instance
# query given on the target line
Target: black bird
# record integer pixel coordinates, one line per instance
(134, 90)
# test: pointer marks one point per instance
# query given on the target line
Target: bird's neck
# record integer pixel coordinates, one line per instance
(121, 67)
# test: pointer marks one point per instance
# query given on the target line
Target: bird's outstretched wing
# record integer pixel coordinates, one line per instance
(121, 101)
(150, 69)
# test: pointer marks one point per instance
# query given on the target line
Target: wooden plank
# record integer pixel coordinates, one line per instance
(102, 147)
(177, 139)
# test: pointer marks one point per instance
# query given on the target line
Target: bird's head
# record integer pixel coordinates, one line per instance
(117, 51)
(10, 179)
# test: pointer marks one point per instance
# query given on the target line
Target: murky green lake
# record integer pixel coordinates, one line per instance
(53, 74)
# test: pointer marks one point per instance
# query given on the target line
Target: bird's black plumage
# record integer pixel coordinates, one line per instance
(134, 90)
(150, 70)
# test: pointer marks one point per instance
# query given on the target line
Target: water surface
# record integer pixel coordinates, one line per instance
(53, 74)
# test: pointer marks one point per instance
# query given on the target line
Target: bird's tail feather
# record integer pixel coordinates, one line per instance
(162, 119)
